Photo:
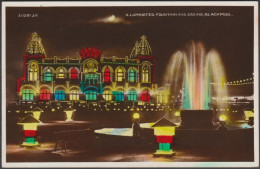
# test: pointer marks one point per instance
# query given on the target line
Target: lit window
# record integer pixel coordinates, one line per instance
(74, 73)
(162, 98)
(132, 96)
(27, 95)
(106, 75)
(45, 95)
(47, 75)
(118, 95)
(119, 75)
(33, 72)
(74, 95)
(145, 96)
(91, 95)
(59, 95)
(107, 95)
(60, 74)
(132, 76)
(146, 73)
(92, 78)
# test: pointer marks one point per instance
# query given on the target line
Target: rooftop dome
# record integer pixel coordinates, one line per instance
(35, 46)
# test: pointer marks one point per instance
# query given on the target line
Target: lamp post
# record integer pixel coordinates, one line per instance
(136, 126)
(30, 125)
(164, 130)
(37, 113)
(222, 122)
(69, 112)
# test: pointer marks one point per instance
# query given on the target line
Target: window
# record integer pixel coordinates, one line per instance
(59, 95)
(33, 72)
(92, 78)
(47, 75)
(107, 95)
(61, 74)
(132, 96)
(91, 95)
(118, 95)
(145, 96)
(162, 98)
(74, 73)
(27, 95)
(74, 95)
(106, 75)
(132, 75)
(119, 75)
(45, 95)
(146, 73)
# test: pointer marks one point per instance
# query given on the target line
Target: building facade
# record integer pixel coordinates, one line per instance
(91, 79)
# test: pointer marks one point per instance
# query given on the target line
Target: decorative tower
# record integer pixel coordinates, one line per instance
(34, 54)
(141, 48)
(35, 46)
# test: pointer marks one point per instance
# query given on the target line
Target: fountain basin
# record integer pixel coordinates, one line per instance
(196, 119)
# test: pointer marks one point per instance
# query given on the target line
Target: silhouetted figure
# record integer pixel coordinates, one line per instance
(136, 129)
(222, 126)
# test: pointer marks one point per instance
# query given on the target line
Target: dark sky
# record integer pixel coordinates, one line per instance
(64, 30)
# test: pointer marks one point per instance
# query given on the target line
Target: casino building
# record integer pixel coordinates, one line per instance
(91, 81)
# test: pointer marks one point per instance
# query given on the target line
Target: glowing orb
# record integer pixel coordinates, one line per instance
(223, 118)
(136, 115)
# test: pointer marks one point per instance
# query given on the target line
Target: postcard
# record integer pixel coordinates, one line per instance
(130, 84)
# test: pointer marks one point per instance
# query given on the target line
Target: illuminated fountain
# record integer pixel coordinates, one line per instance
(191, 74)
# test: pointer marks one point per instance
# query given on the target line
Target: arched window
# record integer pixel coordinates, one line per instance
(146, 73)
(107, 95)
(118, 95)
(132, 75)
(106, 75)
(74, 95)
(92, 78)
(60, 73)
(27, 95)
(132, 95)
(74, 73)
(45, 95)
(59, 95)
(33, 71)
(91, 95)
(162, 98)
(119, 75)
(47, 75)
(145, 96)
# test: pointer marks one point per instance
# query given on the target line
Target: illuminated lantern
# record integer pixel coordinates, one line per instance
(69, 111)
(248, 114)
(37, 113)
(136, 116)
(30, 125)
(164, 130)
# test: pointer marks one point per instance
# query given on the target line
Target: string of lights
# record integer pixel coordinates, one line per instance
(247, 81)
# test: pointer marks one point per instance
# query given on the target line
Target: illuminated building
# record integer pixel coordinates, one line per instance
(91, 81)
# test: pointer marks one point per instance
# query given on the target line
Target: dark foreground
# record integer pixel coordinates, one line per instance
(235, 145)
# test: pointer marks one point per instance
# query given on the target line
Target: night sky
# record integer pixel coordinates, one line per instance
(64, 30)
